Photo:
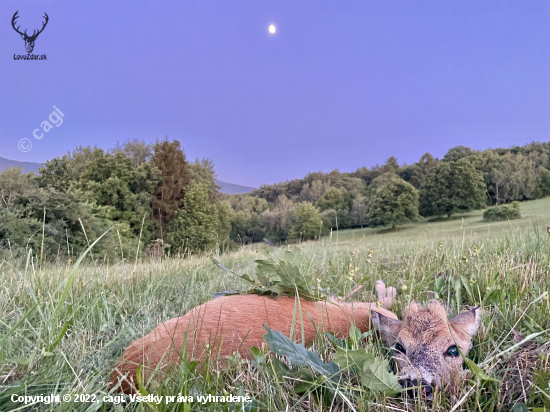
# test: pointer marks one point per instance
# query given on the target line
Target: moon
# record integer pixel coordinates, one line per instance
(272, 29)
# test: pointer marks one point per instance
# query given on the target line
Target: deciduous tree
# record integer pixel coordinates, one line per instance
(391, 202)
(308, 222)
(452, 187)
(196, 224)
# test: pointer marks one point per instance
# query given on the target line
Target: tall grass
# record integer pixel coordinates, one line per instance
(63, 326)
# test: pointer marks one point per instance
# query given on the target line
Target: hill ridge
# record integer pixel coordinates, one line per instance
(226, 188)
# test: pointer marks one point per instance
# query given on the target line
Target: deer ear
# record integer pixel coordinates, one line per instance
(389, 328)
(467, 323)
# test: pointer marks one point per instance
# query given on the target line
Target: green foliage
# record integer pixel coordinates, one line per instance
(123, 191)
(502, 212)
(456, 153)
(202, 171)
(60, 172)
(416, 174)
(170, 159)
(279, 278)
(197, 222)
(225, 214)
(88, 188)
(391, 201)
(373, 372)
(278, 220)
(359, 211)
(308, 222)
(298, 355)
(69, 223)
(506, 175)
(509, 174)
(350, 184)
(246, 227)
(375, 376)
(55, 174)
(544, 186)
(331, 199)
(452, 187)
(136, 150)
(515, 178)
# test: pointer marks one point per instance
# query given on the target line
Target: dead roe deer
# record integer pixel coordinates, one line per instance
(235, 324)
(424, 343)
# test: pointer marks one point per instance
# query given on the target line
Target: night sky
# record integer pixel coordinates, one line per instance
(341, 84)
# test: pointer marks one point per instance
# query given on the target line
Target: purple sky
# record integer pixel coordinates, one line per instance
(341, 84)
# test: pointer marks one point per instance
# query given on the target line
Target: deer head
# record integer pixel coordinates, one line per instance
(426, 344)
(29, 40)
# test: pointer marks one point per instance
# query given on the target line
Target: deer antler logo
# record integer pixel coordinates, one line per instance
(29, 40)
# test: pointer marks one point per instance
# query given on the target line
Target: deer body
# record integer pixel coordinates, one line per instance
(235, 324)
(426, 344)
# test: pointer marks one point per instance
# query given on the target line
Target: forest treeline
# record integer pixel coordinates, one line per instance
(155, 201)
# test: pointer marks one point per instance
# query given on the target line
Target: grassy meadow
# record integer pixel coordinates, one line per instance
(63, 327)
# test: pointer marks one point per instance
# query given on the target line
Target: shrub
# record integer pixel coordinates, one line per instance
(502, 212)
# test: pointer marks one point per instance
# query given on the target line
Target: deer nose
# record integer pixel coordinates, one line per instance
(414, 385)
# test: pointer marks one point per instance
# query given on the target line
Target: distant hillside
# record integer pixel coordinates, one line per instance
(227, 188)
(26, 166)
(232, 189)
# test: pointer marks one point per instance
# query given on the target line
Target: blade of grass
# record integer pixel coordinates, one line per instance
(70, 280)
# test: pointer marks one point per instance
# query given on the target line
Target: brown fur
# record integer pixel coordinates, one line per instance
(234, 324)
(426, 335)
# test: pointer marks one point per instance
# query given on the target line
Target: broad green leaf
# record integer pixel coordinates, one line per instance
(259, 357)
(279, 278)
(293, 256)
(439, 283)
(376, 377)
(290, 275)
(298, 354)
(356, 337)
(247, 278)
(266, 267)
(352, 359)
(141, 388)
(337, 342)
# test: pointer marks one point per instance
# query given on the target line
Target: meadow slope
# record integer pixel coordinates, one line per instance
(62, 330)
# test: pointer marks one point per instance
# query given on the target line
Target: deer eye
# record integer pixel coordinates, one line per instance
(398, 347)
(453, 351)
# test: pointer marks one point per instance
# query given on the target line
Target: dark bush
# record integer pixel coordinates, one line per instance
(502, 212)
